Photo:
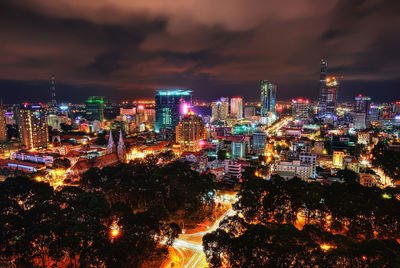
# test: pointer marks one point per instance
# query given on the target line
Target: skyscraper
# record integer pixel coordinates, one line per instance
(300, 109)
(361, 112)
(95, 108)
(190, 131)
(322, 89)
(32, 126)
(258, 141)
(268, 98)
(220, 109)
(170, 106)
(237, 107)
(362, 104)
(3, 126)
(331, 96)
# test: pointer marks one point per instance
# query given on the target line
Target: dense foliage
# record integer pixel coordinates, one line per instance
(388, 160)
(295, 224)
(182, 192)
(72, 226)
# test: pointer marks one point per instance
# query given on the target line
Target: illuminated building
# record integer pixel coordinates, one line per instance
(110, 145)
(397, 107)
(121, 148)
(237, 107)
(363, 138)
(268, 98)
(169, 107)
(362, 104)
(309, 158)
(290, 169)
(244, 129)
(220, 109)
(352, 164)
(55, 120)
(95, 108)
(369, 180)
(375, 114)
(338, 157)
(249, 111)
(32, 126)
(322, 93)
(360, 121)
(331, 96)
(3, 127)
(190, 131)
(361, 110)
(258, 142)
(300, 109)
(238, 149)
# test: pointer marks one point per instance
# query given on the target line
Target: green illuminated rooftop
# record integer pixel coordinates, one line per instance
(95, 99)
(174, 92)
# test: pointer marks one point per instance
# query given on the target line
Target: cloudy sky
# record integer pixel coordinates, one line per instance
(126, 49)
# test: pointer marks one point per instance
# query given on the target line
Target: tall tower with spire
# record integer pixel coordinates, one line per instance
(121, 149)
(111, 145)
(3, 127)
(53, 91)
(322, 90)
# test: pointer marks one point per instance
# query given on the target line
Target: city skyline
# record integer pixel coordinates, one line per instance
(124, 50)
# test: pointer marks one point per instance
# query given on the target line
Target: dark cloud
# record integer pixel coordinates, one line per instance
(127, 49)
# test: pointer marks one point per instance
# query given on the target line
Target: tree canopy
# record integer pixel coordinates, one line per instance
(294, 223)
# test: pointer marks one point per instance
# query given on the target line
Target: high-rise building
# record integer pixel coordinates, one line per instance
(376, 113)
(220, 109)
(238, 149)
(95, 108)
(170, 106)
(268, 98)
(258, 142)
(331, 96)
(32, 126)
(237, 107)
(322, 89)
(3, 126)
(361, 111)
(300, 109)
(361, 104)
(190, 131)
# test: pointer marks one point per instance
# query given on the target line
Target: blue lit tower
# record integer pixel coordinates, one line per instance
(268, 95)
(169, 107)
(323, 90)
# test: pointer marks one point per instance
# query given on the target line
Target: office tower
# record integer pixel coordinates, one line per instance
(258, 142)
(331, 96)
(3, 125)
(220, 109)
(268, 95)
(361, 112)
(322, 89)
(169, 107)
(362, 104)
(237, 107)
(375, 113)
(238, 149)
(53, 92)
(95, 108)
(360, 121)
(300, 109)
(190, 131)
(32, 126)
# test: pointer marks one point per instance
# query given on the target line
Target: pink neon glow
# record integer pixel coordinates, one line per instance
(202, 143)
(185, 108)
(140, 107)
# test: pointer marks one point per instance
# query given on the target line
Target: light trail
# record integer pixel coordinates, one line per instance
(197, 258)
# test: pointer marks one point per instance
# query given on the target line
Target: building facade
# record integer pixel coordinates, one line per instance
(237, 107)
(268, 98)
(95, 108)
(189, 132)
(300, 109)
(170, 106)
(3, 125)
(32, 126)
(220, 109)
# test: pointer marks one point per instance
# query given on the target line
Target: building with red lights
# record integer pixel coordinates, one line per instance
(190, 132)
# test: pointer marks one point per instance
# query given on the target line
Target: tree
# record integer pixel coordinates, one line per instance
(221, 155)
(348, 176)
(61, 163)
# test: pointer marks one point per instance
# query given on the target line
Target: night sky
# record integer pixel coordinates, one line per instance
(125, 49)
